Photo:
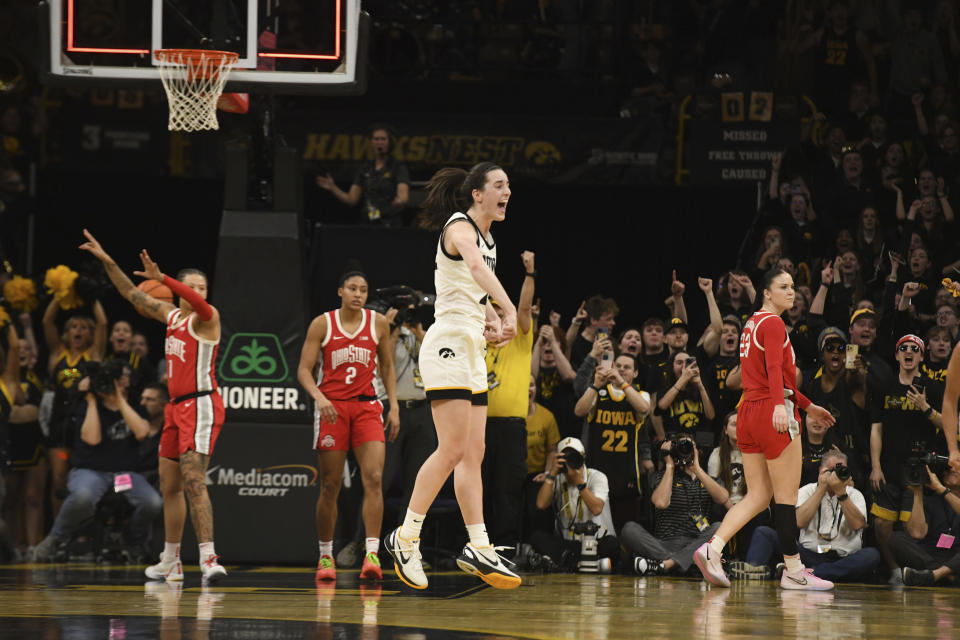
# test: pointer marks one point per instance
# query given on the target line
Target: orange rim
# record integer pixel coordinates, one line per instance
(191, 57)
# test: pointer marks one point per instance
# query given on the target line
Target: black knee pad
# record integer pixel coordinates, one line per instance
(785, 522)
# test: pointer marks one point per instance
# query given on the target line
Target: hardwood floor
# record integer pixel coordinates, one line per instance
(88, 601)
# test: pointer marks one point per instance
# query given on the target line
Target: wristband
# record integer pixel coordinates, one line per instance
(624, 386)
(581, 486)
(928, 412)
(597, 389)
(550, 477)
(842, 497)
(945, 493)
(531, 274)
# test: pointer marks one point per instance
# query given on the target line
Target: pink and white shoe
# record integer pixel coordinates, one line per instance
(804, 580)
(710, 565)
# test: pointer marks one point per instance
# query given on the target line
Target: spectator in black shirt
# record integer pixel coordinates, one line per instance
(842, 391)
(903, 414)
(382, 185)
(653, 353)
(927, 549)
(939, 343)
(601, 315)
(106, 458)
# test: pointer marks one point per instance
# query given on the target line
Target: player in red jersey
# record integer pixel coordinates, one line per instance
(768, 434)
(195, 413)
(349, 342)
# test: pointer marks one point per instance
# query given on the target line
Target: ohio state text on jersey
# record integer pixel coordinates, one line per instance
(349, 359)
(190, 358)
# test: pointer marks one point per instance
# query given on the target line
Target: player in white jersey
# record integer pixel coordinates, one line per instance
(453, 368)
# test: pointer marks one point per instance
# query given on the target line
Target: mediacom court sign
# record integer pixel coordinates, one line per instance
(274, 481)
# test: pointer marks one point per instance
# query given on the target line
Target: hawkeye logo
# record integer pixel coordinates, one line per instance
(251, 362)
(268, 482)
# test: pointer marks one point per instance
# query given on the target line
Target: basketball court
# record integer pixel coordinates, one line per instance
(90, 601)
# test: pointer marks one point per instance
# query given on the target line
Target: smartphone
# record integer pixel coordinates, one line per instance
(853, 350)
(918, 384)
(691, 362)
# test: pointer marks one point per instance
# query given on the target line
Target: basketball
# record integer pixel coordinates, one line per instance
(157, 290)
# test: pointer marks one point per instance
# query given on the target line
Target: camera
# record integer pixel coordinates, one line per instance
(842, 471)
(681, 450)
(573, 459)
(412, 306)
(588, 546)
(103, 375)
(915, 467)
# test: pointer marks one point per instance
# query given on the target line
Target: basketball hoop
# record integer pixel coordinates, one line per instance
(193, 80)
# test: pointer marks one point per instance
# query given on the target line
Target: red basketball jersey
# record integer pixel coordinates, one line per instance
(190, 358)
(765, 330)
(349, 359)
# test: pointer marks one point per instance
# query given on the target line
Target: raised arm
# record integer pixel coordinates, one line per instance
(50, 333)
(99, 348)
(576, 325)
(150, 306)
(677, 289)
(138, 426)
(524, 305)
(711, 340)
(944, 201)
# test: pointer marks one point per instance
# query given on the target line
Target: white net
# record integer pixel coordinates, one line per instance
(193, 81)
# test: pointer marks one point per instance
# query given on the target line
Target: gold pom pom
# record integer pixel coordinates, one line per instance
(59, 282)
(954, 287)
(4, 318)
(21, 293)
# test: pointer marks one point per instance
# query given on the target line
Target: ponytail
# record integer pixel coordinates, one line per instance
(450, 190)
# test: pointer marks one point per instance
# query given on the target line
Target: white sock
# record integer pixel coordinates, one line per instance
(171, 551)
(793, 563)
(326, 548)
(717, 544)
(478, 535)
(373, 545)
(412, 523)
(206, 550)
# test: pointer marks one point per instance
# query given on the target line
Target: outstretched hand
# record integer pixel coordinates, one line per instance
(151, 271)
(93, 247)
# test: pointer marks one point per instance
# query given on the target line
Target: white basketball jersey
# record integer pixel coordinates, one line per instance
(457, 293)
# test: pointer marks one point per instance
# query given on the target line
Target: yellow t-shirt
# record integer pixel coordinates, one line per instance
(508, 372)
(542, 436)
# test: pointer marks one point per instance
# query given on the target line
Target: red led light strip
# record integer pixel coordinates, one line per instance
(70, 47)
(299, 56)
(308, 56)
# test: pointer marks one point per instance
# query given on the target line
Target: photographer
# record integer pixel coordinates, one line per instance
(831, 515)
(927, 548)
(579, 495)
(619, 433)
(106, 454)
(904, 419)
(683, 502)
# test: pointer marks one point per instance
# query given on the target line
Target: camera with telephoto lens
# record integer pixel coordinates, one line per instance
(588, 562)
(920, 458)
(842, 471)
(572, 459)
(681, 450)
(412, 306)
(103, 375)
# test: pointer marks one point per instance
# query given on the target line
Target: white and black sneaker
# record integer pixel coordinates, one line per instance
(406, 559)
(488, 565)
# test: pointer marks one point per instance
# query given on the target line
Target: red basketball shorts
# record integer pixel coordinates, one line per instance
(193, 424)
(755, 431)
(358, 422)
